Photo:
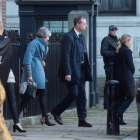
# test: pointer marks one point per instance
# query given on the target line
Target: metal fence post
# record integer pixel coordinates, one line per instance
(138, 108)
(112, 115)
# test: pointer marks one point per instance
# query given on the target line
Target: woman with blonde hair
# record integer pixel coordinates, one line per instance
(124, 70)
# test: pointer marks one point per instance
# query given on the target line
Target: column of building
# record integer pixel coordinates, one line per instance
(137, 40)
(138, 7)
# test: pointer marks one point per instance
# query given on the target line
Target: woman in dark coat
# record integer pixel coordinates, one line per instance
(124, 70)
(7, 77)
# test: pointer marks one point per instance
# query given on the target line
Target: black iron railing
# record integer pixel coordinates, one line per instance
(56, 90)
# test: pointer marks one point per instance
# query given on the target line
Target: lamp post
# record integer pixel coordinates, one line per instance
(94, 95)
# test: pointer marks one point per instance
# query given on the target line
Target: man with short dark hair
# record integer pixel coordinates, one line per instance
(108, 50)
(74, 70)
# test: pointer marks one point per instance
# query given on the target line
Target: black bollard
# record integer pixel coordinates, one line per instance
(138, 108)
(112, 113)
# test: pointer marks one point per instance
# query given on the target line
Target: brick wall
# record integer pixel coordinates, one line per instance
(0, 11)
(3, 12)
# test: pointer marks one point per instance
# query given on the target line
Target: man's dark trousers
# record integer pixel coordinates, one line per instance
(123, 105)
(109, 71)
(75, 92)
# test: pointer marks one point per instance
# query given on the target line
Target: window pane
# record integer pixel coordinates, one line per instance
(46, 24)
(65, 24)
(119, 5)
(56, 26)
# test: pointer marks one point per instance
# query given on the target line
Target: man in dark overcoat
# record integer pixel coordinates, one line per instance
(108, 49)
(74, 70)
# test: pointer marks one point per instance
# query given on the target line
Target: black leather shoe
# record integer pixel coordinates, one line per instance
(83, 123)
(45, 120)
(57, 117)
(121, 121)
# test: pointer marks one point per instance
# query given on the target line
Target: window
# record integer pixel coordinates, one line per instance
(54, 25)
(117, 7)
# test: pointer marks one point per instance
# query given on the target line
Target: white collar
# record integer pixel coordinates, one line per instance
(77, 32)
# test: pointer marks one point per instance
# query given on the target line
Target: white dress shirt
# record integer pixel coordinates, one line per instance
(77, 32)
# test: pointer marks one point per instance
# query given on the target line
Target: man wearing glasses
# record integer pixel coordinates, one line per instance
(108, 50)
(74, 71)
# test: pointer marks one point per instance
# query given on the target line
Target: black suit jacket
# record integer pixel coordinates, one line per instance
(108, 49)
(6, 57)
(71, 61)
(124, 69)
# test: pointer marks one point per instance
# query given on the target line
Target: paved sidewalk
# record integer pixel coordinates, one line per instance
(69, 131)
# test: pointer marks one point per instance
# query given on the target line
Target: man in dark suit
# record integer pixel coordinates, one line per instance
(74, 70)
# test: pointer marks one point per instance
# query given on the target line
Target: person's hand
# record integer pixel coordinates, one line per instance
(30, 78)
(1, 31)
(43, 63)
(68, 77)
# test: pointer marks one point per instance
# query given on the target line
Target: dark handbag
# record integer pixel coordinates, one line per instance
(138, 92)
(30, 92)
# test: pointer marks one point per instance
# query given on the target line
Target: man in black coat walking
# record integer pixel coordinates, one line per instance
(108, 49)
(74, 70)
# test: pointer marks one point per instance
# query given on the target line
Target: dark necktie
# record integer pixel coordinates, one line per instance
(80, 37)
(81, 48)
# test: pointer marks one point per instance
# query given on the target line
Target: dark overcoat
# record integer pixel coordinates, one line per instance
(124, 70)
(71, 59)
(6, 58)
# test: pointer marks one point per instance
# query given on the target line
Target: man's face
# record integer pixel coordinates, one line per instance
(113, 32)
(83, 25)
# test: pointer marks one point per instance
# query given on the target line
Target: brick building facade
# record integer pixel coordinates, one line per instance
(0, 11)
(3, 11)
(3, 2)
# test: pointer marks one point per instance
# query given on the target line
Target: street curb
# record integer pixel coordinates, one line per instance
(35, 120)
